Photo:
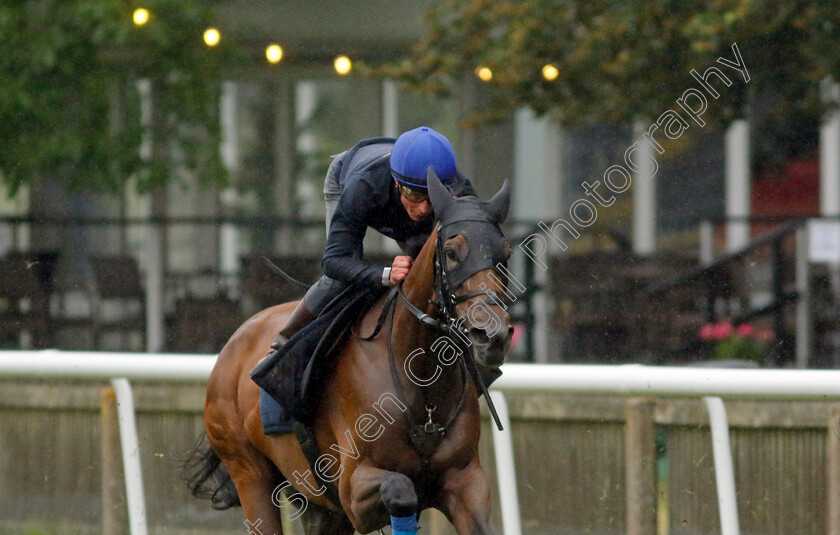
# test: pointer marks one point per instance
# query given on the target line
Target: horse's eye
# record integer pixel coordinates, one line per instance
(450, 254)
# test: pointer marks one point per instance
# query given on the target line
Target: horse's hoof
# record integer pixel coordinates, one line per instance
(398, 495)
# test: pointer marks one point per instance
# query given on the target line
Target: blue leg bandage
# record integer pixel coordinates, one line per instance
(405, 525)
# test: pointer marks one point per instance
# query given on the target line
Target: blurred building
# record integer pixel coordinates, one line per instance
(196, 250)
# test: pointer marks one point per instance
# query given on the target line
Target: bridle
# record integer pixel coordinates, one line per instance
(444, 321)
(447, 321)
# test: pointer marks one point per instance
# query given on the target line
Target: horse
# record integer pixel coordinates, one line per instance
(392, 443)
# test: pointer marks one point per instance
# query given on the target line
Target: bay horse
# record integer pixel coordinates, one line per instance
(398, 422)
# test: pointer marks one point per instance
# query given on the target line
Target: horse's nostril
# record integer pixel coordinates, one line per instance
(479, 335)
(482, 337)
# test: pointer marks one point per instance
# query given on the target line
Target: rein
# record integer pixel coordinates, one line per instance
(426, 437)
(448, 299)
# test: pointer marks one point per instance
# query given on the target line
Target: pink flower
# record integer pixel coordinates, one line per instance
(746, 330)
(707, 332)
(722, 330)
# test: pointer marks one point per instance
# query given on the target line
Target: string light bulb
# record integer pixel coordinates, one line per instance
(342, 65)
(212, 36)
(484, 74)
(140, 16)
(550, 72)
(274, 53)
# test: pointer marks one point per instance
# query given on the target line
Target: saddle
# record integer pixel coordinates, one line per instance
(295, 374)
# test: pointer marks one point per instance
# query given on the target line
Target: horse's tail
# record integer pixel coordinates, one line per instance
(208, 478)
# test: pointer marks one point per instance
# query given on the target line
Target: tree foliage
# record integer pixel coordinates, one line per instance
(624, 61)
(69, 101)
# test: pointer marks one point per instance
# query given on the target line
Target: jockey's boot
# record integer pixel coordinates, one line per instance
(300, 318)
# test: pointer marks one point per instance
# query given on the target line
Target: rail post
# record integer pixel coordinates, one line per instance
(833, 471)
(114, 513)
(640, 455)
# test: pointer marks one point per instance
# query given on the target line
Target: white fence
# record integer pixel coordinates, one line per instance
(624, 380)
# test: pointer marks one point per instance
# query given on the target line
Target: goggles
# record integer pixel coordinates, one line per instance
(413, 194)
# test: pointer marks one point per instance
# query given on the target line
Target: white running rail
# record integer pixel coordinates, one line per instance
(622, 380)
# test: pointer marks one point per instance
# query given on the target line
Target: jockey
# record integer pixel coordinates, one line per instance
(381, 184)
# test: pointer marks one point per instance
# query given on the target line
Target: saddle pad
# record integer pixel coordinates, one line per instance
(274, 418)
(293, 375)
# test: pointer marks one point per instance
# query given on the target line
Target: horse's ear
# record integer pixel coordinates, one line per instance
(438, 194)
(497, 207)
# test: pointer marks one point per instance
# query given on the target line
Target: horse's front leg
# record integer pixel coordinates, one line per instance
(375, 496)
(466, 499)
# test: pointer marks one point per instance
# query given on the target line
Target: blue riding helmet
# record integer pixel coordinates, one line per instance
(417, 150)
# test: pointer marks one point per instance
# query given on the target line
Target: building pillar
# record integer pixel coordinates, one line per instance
(830, 154)
(737, 185)
(156, 253)
(228, 233)
(390, 109)
(537, 190)
(644, 199)
(830, 168)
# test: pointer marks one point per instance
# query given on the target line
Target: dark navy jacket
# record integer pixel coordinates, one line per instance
(371, 199)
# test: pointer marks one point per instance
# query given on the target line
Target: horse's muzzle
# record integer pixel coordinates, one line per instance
(490, 347)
